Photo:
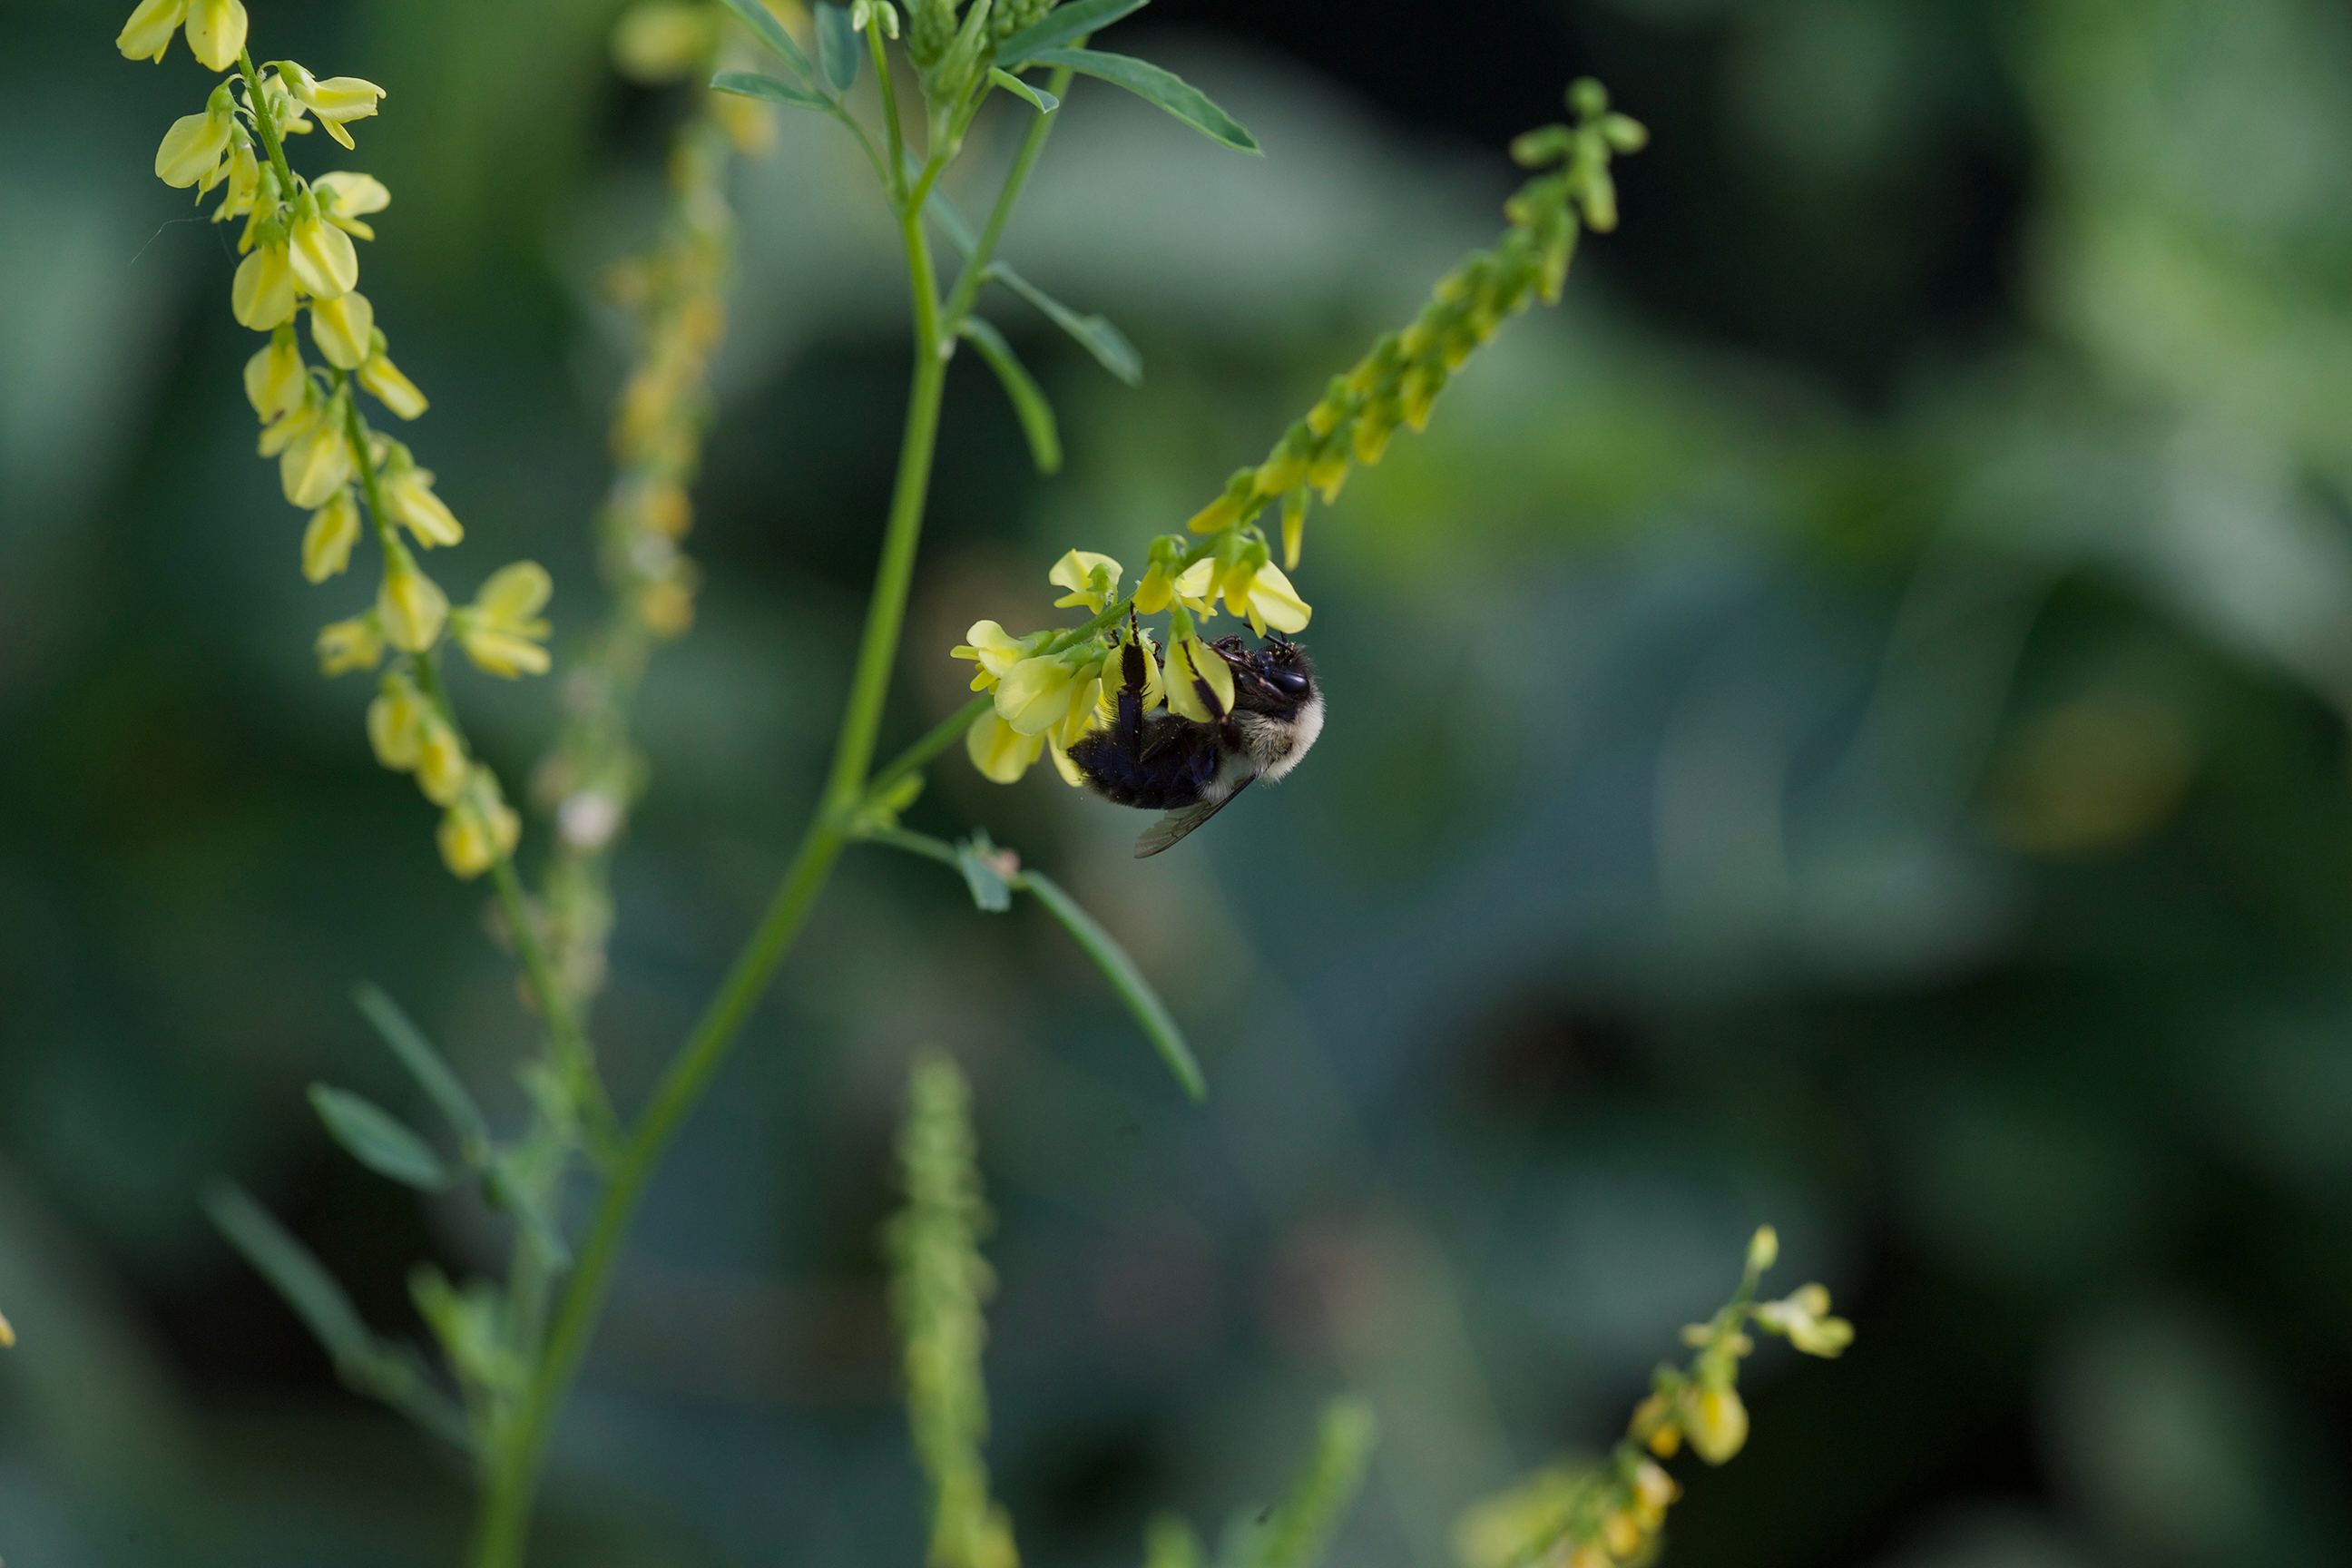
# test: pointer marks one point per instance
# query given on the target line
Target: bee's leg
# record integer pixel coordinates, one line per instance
(1127, 728)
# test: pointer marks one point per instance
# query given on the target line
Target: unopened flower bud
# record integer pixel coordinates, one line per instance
(327, 542)
(412, 608)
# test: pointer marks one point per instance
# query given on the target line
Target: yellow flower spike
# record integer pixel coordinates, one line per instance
(327, 542)
(1000, 753)
(1194, 660)
(408, 499)
(441, 767)
(262, 294)
(395, 722)
(216, 32)
(994, 649)
(411, 607)
(1716, 1421)
(346, 646)
(274, 382)
(149, 32)
(317, 463)
(324, 260)
(344, 329)
(335, 101)
(383, 378)
(345, 197)
(1036, 694)
(1328, 471)
(1076, 571)
(192, 149)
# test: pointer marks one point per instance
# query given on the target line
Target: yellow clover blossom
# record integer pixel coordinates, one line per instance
(274, 382)
(1194, 588)
(442, 770)
(481, 830)
(1192, 664)
(410, 606)
(262, 292)
(1654, 1426)
(317, 462)
(216, 30)
(1000, 753)
(1085, 714)
(323, 259)
(995, 650)
(335, 101)
(1716, 1421)
(192, 149)
(243, 172)
(1803, 1317)
(355, 644)
(395, 722)
(1037, 693)
(1261, 594)
(408, 499)
(7, 1333)
(1091, 577)
(344, 329)
(500, 631)
(344, 198)
(382, 377)
(327, 542)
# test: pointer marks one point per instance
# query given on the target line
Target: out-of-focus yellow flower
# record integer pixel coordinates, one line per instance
(1716, 1421)
(216, 32)
(1263, 595)
(262, 293)
(335, 101)
(1192, 587)
(411, 607)
(355, 644)
(344, 329)
(298, 422)
(1620, 1533)
(1653, 1492)
(667, 608)
(1192, 664)
(660, 41)
(324, 261)
(479, 830)
(149, 32)
(1588, 1555)
(1803, 1317)
(1085, 714)
(344, 198)
(7, 1333)
(442, 770)
(500, 630)
(995, 650)
(192, 149)
(1000, 751)
(274, 382)
(318, 462)
(1653, 1423)
(327, 542)
(1763, 1249)
(243, 175)
(392, 389)
(1091, 577)
(408, 499)
(395, 722)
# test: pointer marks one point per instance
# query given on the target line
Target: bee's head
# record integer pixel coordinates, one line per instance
(1277, 679)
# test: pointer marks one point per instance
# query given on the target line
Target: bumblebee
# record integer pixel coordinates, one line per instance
(1192, 768)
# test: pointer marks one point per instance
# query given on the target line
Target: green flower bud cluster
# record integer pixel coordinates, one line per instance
(1399, 380)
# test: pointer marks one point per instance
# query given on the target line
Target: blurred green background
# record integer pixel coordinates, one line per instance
(1840, 724)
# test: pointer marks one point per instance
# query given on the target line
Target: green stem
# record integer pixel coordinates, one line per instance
(266, 125)
(942, 735)
(896, 181)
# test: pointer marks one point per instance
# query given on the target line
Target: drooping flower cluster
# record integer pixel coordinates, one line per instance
(1042, 681)
(1607, 1514)
(300, 260)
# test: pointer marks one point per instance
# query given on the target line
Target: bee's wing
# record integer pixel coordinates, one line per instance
(1175, 825)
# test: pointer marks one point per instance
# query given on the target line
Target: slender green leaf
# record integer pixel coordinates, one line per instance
(425, 1065)
(1029, 403)
(751, 84)
(287, 1264)
(1061, 26)
(838, 48)
(1037, 96)
(378, 1139)
(1300, 1529)
(1166, 88)
(977, 859)
(770, 32)
(1124, 978)
(510, 1191)
(1096, 335)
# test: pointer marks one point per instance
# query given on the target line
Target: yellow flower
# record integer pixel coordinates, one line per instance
(658, 41)
(349, 644)
(395, 722)
(1763, 1249)
(243, 173)
(479, 830)
(344, 198)
(441, 765)
(995, 650)
(1085, 714)
(1653, 1423)
(1263, 596)
(1804, 1318)
(282, 433)
(275, 382)
(1092, 579)
(149, 32)
(191, 151)
(1037, 693)
(500, 631)
(667, 608)
(343, 329)
(262, 293)
(1190, 587)
(1654, 1490)
(322, 257)
(1716, 1421)
(1155, 690)
(1191, 665)
(335, 101)
(411, 607)
(327, 542)
(216, 32)
(1218, 515)
(318, 462)
(1000, 751)
(383, 377)
(1621, 1533)
(408, 499)
(7, 1334)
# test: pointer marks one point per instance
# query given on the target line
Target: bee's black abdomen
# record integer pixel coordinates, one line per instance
(1175, 762)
